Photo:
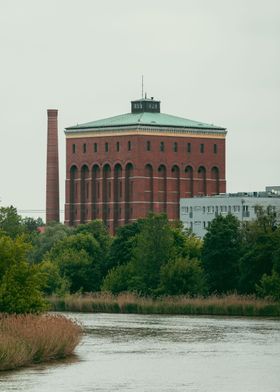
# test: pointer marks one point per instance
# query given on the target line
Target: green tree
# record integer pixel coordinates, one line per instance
(123, 244)
(99, 231)
(155, 245)
(118, 279)
(269, 286)
(183, 276)
(276, 251)
(261, 239)
(185, 242)
(44, 242)
(20, 282)
(79, 259)
(10, 221)
(221, 253)
(31, 225)
(54, 283)
(77, 267)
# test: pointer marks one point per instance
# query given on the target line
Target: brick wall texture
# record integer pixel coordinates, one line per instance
(121, 177)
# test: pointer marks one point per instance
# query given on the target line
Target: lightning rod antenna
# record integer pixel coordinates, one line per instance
(142, 86)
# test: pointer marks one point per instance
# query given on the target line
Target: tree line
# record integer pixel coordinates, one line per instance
(151, 256)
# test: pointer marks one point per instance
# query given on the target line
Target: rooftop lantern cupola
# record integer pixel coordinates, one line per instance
(145, 105)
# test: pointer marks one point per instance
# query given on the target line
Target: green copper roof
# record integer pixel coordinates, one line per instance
(144, 119)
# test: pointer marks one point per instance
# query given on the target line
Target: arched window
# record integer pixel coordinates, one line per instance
(73, 194)
(175, 190)
(106, 182)
(189, 181)
(162, 188)
(215, 180)
(149, 191)
(117, 193)
(201, 178)
(95, 192)
(84, 192)
(128, 191)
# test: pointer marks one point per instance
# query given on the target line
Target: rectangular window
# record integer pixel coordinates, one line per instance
(129, 145)
(84, 147)
(94, 147)
(189, 147)
(202, 148)
(215, 148)
(161, 146)
(73, 148)
(106, 147)
(148, 146)
(175, 147)
(118, 146)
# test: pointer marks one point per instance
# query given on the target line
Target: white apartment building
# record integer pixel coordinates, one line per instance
(196, 213)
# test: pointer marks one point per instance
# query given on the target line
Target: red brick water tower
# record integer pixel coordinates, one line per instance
(120, 168)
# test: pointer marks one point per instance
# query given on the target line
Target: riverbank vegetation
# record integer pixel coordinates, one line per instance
(26, 339)
(151, 257)
(27, 335)
(225, 305)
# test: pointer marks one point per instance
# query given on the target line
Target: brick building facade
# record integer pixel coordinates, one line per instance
(120, 168)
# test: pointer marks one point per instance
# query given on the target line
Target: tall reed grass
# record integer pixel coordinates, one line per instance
(228, 305)
(26, 339)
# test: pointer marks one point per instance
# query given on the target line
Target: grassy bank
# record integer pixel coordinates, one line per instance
(26, 339)
(230, 305)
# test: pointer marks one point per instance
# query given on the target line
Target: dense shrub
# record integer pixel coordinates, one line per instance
(269, 286)
(182, 276)
(20, 282)
(117, 280)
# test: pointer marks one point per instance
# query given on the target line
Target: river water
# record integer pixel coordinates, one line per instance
(161, 353)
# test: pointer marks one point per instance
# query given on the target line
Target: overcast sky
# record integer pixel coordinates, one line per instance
(213, 61)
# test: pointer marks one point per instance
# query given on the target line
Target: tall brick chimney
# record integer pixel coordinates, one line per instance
(52, 193)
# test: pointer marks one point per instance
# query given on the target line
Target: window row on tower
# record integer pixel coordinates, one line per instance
(97, 147)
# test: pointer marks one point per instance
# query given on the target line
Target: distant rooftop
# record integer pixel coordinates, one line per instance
(146, 112)
(274, 189)
(259, 194)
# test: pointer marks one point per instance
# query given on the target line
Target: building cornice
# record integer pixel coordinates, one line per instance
(146, 130)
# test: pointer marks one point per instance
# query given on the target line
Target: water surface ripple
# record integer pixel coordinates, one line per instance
(161, 353)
